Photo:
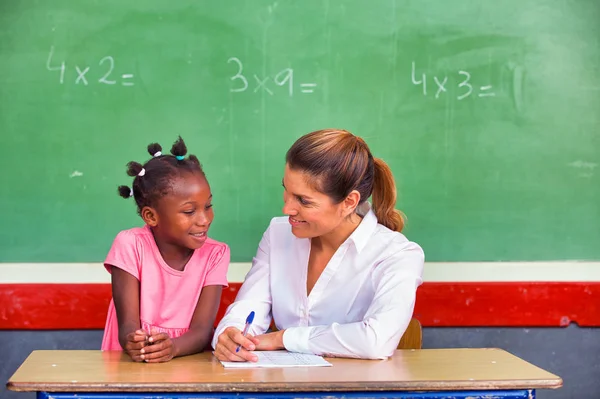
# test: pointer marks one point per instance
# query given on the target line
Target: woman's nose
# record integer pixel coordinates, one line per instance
(288, 208)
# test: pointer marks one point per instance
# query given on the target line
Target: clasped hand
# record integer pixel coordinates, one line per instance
(155, 347)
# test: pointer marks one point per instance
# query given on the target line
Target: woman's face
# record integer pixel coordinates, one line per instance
(312, 213)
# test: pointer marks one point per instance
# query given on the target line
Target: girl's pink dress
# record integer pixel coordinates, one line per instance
(168, 297)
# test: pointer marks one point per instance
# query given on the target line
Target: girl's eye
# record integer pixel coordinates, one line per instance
(189, 212)
(209, 206)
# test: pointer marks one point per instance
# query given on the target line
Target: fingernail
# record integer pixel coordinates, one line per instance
(142, 351)
(252, 347)
(143, 357)
(150, 339)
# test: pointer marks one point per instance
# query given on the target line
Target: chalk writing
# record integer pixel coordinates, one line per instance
(106, 67)
(462, 79)
(265, 84)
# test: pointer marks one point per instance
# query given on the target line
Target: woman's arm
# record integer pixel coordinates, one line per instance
(254, 295)
(395, 282)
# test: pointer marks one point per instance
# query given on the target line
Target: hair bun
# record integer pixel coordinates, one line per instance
(125, 192)
(155, 150)
(179, 148)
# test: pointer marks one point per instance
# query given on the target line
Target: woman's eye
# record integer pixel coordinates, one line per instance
(303, 201)
(189, 212)
(209, 206)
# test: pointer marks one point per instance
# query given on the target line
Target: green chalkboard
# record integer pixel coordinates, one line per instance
(487, 111)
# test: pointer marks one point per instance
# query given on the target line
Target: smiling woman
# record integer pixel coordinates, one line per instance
(167, 277)
(336, 276)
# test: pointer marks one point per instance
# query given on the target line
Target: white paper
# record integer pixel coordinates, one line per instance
(280, 359)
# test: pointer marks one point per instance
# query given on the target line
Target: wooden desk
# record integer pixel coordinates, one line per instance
(429, 373)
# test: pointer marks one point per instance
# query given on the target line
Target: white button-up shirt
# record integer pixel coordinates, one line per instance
(360, 305)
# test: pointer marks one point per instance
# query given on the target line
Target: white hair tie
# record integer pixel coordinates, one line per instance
(131, 192)
(157, 154)
(142, 172)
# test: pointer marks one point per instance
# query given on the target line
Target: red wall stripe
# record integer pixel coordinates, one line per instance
(510, 304)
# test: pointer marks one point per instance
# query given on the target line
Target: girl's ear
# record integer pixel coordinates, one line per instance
(150, 216)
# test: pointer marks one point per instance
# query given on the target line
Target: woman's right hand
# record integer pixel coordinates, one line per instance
(228, 342)
(135, 342)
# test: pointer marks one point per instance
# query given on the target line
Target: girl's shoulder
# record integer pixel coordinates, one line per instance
(214, 245)
(139, 241)
(134, 233)
(214, 256)
(213, 250)
(128, 249)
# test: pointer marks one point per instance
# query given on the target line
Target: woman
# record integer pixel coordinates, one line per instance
(337, 276)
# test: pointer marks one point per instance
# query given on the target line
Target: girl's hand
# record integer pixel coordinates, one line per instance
(160, 348)
(228, 342)
(135, 345)
(271, 341)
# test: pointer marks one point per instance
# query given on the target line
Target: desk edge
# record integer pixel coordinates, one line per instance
(287, 387)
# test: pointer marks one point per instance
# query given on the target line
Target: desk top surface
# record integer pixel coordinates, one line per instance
(407, 370)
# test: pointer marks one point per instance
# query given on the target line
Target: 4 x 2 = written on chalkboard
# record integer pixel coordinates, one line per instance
(106, 67)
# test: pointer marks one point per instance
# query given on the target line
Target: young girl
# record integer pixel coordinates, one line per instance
(336, 275)
(167, 276)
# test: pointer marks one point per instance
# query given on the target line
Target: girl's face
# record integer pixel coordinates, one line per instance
(185, 214)
(312, 213)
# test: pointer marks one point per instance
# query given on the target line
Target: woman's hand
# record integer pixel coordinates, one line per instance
(135, 345)
(271, 341)
(227, 346)
(160, 348)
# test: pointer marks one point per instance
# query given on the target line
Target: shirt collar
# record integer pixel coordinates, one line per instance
(365, 229)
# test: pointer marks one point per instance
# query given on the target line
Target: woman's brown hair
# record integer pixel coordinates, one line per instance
(338, 162)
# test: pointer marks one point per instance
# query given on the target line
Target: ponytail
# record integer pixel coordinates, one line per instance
(384, 197)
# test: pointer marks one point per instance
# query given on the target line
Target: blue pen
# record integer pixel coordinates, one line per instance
(249, 320)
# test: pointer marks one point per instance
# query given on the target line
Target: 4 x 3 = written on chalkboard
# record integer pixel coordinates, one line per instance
(464, 89)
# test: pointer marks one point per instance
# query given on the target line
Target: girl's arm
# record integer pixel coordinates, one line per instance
(126, 296)
(197, 338)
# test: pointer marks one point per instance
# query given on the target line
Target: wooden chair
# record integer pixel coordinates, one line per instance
(413, 336)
